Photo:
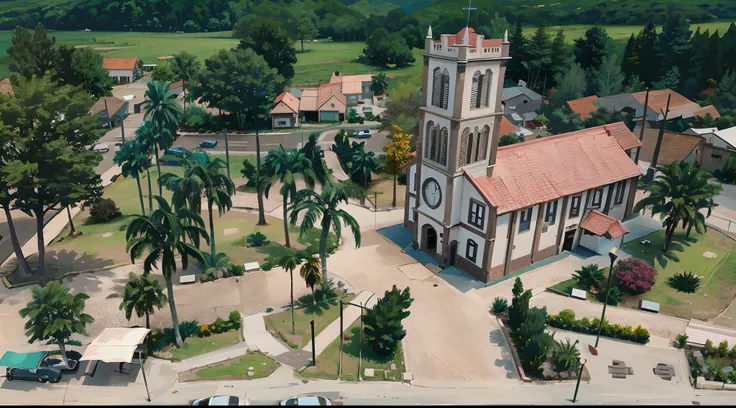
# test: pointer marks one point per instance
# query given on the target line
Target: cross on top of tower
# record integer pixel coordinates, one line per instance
(469, 9)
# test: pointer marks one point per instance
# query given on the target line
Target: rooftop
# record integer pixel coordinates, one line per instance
(674, 147)
(466, 44)
(602, 225)
(583, 106)
(506, 126)
(550, 168)
(515, 91)
(107, 106)
(119, 63)
(728, 135)
(286, 103)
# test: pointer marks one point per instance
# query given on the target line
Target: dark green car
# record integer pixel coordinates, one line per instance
(29, 366)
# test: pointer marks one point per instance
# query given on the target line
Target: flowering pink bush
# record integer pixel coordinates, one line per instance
(634, 275)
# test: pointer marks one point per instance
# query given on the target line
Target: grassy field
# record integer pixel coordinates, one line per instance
(194, 346)
(323, 314)
(622, 32)
(237, 368)
(328, 362)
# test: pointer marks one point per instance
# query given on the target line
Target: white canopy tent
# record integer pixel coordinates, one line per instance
(118, 345)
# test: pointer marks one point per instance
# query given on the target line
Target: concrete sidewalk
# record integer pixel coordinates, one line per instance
(333, 163)
(256, 335)
(350, 314)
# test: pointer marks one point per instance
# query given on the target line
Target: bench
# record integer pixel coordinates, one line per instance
(649, 306)
(578, 294)
(188, 279)
(251, 266)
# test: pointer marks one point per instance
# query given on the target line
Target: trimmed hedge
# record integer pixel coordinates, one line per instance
(566, 321)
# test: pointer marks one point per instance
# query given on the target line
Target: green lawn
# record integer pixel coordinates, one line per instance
(194, 346)
(566, 287)
(237, 368)
(323, 314)
(622, 32)
(718, 283)
(328, 362)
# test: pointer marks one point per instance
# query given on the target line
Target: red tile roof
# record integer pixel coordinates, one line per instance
(658, 99)
(119, 63)
(602, 225)
(288, 100)
(708, 109)
(6, 87)
(553, 167)
(583, 106)
(506, 126)
(456, 39)
(675, 146)
(326, 91)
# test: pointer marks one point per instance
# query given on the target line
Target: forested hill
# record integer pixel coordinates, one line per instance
(221, 15)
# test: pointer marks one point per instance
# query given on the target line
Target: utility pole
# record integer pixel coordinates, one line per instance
(314, 353)
(339, 370)
(227, 154)
(643, 124)
(653, 165)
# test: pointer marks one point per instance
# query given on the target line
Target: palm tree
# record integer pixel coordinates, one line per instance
(589, 276)
(286, 165)
(310, 272)
(199, 181)
(54, 315)
(185, 67)
(677, 193)
(146, 139)
(364, 163)
(324, 205)
(162, 233)
(142, 295)
(289, 262)
(132, 161)
(164, 111)
(565, 357)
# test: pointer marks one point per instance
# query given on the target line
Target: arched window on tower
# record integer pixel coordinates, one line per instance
(469, 153)
(428, 139)
(445, 87)
(484, 141)
(485, 93)
(443, 146)
(463, 156)
(476, 147)
(437, 87)
(474, 90)
(433, 142)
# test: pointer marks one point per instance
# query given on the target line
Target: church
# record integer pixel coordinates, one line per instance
(490, 211)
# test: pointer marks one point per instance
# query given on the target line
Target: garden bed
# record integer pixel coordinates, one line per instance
(233, 369)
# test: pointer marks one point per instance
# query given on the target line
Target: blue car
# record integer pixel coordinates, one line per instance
(208, 144)
(178, 151)
(362, 134)
(35, 366)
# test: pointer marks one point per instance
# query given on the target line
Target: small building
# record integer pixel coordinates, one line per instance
(6, 87)
(521, 99)
(110, 110)
(286, 111)
(354, 87)
(720, 145)
(122, 70)
(674, 147)
(331, 103)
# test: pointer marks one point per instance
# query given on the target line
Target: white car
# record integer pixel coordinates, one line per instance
(221, 400)
(308, 400)
(101, 148)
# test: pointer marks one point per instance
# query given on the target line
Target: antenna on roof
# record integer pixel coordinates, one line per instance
(469, 9)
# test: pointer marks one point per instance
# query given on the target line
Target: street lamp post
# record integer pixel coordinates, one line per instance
(580, 375)
(613, 256)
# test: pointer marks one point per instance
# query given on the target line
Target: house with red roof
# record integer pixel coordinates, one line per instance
(122, 70)
(487, 210)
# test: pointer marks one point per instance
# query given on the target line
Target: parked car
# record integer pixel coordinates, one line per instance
(55, 361)
(309, 400)
(362, 134)
(30, 367)
(221, 400)
(178, 151)
(208, 144)
(102, 148)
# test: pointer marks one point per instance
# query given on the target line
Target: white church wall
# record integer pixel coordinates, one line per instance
(469, 72)
(424, 220)
(591, 242)
(523, 241)
(462, 244)
(459, 186)
(411, 178)
(469, 192)
(442, 123)
(480, 167)
(618, 211)
(451, 67)
(412, 204)
(439, 212)
(549, 238)
(499, 247)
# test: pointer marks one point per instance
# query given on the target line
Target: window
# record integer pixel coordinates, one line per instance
(428, 143)
(474, 90)
(445, 88)
(620, 189)
(597, 196)
(485, 88)
(281, 123)
(463, 157)
(575, 205)
(716, 156)
(471, 250)
(525, 220)
(437, 87)
(443, 146)
(477, 214)
(550, 217)
(436, 146)
(469, 153)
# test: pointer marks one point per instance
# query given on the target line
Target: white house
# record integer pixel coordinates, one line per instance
(489, 210)
(122, 70)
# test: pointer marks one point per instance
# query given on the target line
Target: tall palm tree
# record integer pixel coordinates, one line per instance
(290, 262)
(310, 272)
(164, 111)
(364, 163)
(285, 166)
(142, 295)
(146, 139)
(202, 181)
(677, 193)
(325, 205)
(186, 67)
(162, 234)
(132, 161)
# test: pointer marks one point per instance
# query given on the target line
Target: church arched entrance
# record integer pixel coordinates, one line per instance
(429, 238)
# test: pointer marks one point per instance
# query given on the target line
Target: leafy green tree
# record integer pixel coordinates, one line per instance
(590, 50)
(559, 57)
(164, 112)
(539, 53)
(495, 28)
(306, 30)
(312, 274)
(669, 81)
(271, 42)
(384, 48)
(313, 151)
(608, 79)
(289, 262)
(142, 295)
(161, 234)
(83, 67)
(382, 324)
(398, 153)
(533, 342)
(32, 53)
(402, 109)
(629, 62)
(634, 84)
(589, 276)
(518, 288)
(563, 120)
(379, 84)
(509, 139)
(286, 166)
(242, 83)
(323, 208)
(51, 166)
(146, 139)
(724, 96)
(185, 67)
(364, 164)
(676, 193)
(132, 161)
(163, 73)
(54, 315)
(603, 116)
(517, 50)
(570, 85)
(199, 181)
(672, 46)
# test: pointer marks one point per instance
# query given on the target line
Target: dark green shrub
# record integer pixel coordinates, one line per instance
(235, 269)
(638, 334)
(269, 309)
(104, 210)
(257, 239)
(614, 297)
(196, 117)
(189, 328)
(500, 305)
(383, 329)
(532, 342)
(708, 349)
(567, 316)
(680, 341)
(249, 171)
(235, 318)
(565, 356)
(589, 277)
(210, 275)
(722, 349)
(684, 282)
